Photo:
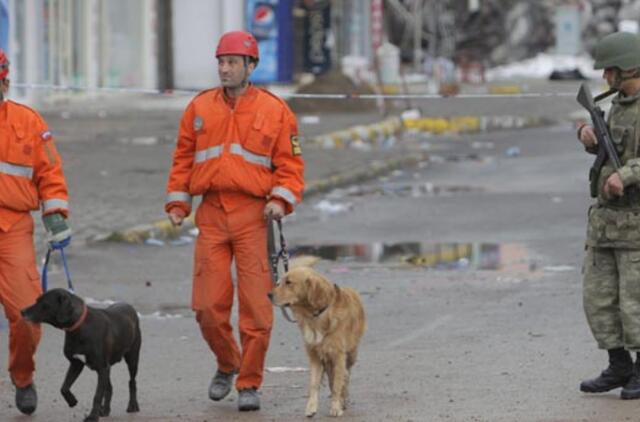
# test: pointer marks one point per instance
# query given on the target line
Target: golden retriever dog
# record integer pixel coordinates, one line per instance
(332, 322)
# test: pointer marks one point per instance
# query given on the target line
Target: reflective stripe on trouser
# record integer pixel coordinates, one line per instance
(241, 234)
(19, 288)
(611, 294)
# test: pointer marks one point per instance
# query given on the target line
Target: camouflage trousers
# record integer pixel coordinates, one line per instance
(611, 296)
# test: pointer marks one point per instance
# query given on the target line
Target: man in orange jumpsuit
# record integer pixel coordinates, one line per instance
(238, 147)
(30, 177)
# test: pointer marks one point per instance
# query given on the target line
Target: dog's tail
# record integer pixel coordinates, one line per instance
(303, 261)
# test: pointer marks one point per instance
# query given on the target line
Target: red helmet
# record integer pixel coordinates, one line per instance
(238, 43)
(4, 65)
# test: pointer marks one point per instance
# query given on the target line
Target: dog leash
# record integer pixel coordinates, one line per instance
(56, 246)
(275, 256)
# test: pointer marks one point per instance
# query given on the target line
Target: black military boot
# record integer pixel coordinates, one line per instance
(618, 373)
(631, 390)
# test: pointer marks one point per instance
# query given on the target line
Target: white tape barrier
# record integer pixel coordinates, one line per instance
(294, 95)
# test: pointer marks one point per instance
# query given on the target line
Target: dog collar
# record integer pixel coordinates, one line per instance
(319, 312)
(80, 320)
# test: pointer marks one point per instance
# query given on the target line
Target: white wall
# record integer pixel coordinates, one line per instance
(197, 26)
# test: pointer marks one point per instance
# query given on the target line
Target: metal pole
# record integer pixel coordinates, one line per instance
(165, 45)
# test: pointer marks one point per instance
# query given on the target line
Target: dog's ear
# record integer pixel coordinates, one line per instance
(64, 316)
(319, 292)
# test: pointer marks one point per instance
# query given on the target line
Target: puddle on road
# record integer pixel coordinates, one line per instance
(439, 256)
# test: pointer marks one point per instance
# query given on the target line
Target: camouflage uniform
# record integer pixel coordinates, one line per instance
(612, 264)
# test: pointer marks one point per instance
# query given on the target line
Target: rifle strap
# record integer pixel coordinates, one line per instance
(604, 95)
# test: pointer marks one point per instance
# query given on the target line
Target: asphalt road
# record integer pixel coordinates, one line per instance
(496, 333)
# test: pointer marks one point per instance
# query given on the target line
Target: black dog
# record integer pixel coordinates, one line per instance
(103, 336)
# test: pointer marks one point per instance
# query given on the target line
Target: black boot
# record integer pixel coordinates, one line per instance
(631, 389)
(618, 373)
(27, 399)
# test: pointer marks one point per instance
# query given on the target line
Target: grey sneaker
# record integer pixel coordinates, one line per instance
(220, 385)
(248, 399)
(26, 399)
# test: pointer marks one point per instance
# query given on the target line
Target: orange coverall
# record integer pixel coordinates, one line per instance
(30, 176)
(238, 155)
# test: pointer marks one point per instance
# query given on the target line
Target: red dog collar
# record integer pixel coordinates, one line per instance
(80, 320)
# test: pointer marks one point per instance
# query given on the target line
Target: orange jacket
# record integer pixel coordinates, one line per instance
(232, 151)
(30, 166)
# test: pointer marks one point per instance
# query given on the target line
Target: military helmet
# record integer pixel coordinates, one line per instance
(620, 49)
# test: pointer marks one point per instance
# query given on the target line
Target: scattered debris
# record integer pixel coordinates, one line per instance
(154, 242)
(512, 152)
(328, 207)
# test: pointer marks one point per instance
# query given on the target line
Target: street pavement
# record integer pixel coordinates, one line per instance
(464, 345)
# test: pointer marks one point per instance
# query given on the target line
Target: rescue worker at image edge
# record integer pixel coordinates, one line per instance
(30, 176)
(611, 290)
(238, 147)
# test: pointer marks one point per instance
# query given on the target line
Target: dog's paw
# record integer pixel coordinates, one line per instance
(70, 399)
(312, 408)
(91, 418)
(336, 409)
(133, 407)
(105, 411)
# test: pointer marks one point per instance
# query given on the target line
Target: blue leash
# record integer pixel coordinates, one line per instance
(56, 246)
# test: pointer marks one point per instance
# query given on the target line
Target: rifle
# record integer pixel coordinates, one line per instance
(606, 149)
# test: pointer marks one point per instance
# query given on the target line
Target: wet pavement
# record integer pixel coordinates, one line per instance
(447, 339)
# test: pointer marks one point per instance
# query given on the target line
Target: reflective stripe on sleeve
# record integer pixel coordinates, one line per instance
(16, 170)
(179, 196)
(207, 154)
(50, 204)
(284, 193)
(250, 156)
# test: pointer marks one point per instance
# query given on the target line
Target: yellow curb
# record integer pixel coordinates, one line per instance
(162, 229)
(365, 133)
(469, 124)
(390, 89)
(505, 89)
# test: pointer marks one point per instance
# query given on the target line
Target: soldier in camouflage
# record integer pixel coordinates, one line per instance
(611, 290)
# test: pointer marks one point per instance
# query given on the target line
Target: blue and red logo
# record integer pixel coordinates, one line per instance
(264, 20)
